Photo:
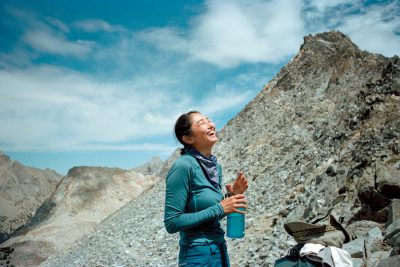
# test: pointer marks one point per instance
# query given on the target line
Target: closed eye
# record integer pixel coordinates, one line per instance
(204, 120)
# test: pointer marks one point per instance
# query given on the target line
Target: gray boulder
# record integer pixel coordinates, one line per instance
(356, 248)
(377, 257)
(373, 242)
(392, 229)
(395, 243)
(394, 211)
(390, 262)
(357, 262)
(388, 178)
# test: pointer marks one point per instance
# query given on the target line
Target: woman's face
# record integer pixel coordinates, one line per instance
(203, 132)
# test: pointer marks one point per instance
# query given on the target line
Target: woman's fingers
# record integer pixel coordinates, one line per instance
(240, 176)
(239, 201)
(240, 184)
(229, 188)
(239, 211)
(233, 203)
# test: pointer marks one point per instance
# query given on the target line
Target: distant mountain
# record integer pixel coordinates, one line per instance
(153, 167)
(134, 234)
(22, 190)
(83, 198)
(322, 137)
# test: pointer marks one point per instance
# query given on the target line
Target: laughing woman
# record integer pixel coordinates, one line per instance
(194, 202)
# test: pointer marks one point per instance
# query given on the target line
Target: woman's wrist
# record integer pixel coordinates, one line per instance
(229, 194)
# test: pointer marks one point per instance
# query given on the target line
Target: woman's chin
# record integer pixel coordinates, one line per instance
(213, 140)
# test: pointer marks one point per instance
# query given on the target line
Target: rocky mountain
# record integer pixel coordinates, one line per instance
(153, 167)
(132, 236)
(322, 137)
(83, 198)
(22, 190)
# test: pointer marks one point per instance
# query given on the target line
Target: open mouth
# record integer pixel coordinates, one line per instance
(211, 133)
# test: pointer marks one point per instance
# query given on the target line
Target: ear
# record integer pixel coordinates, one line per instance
(188, 139)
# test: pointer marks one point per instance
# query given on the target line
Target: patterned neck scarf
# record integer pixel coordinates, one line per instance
(209, 166)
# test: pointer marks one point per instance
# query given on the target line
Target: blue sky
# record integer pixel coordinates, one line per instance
(100, 83)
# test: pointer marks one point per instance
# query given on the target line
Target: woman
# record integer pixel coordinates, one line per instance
(194, 202)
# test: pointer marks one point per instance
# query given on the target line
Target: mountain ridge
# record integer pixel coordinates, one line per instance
(322, 137)
(82, 199)
(22, 190)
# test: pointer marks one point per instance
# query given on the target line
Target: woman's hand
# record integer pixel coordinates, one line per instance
(239, 186)
(231, 204)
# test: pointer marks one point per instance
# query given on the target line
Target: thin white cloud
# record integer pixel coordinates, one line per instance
(373, 27)
(230, 33)
(56, 44)
(166, 39)
(18, 57)
(232, 94)
(143, 147)
(156, 118)
(52, 108)
(223, 99)
(58, 24)
(48, 35)
(97, 25)
(55, 109)
(323, 5)
(375, 30)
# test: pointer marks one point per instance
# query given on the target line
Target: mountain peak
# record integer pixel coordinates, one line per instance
(320, 139)
(327, 39)
(152, 167)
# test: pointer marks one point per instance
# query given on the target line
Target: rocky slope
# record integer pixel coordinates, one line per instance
(22, 190)
(321, 138)
(153, 167)
(85, 197)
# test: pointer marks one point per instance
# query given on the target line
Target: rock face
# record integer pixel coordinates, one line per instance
(132, 236)
(22, 190)
(85, 197)
(153, 167)
(321, 138)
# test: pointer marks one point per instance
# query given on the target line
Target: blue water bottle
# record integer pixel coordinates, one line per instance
(235, 225)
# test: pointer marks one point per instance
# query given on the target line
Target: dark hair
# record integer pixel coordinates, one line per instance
(183, 127)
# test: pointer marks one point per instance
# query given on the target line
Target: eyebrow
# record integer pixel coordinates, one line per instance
(202, 119)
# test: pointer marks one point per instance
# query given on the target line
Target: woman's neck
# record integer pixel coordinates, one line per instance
(205, 151)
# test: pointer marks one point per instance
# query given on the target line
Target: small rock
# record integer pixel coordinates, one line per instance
(392, 229)
(360, 228)
(394, 211)
(373, 241)
(395, 243)
(390, 262)
(377, 257)
(358, 262)
(331, 171)
(388, 179)
(283, 213)
(355, 248)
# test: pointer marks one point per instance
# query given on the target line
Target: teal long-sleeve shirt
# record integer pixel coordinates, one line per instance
(192, 204)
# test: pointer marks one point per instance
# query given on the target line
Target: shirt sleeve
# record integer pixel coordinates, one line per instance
(220, 176)
(221, 186)
(176, 196)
